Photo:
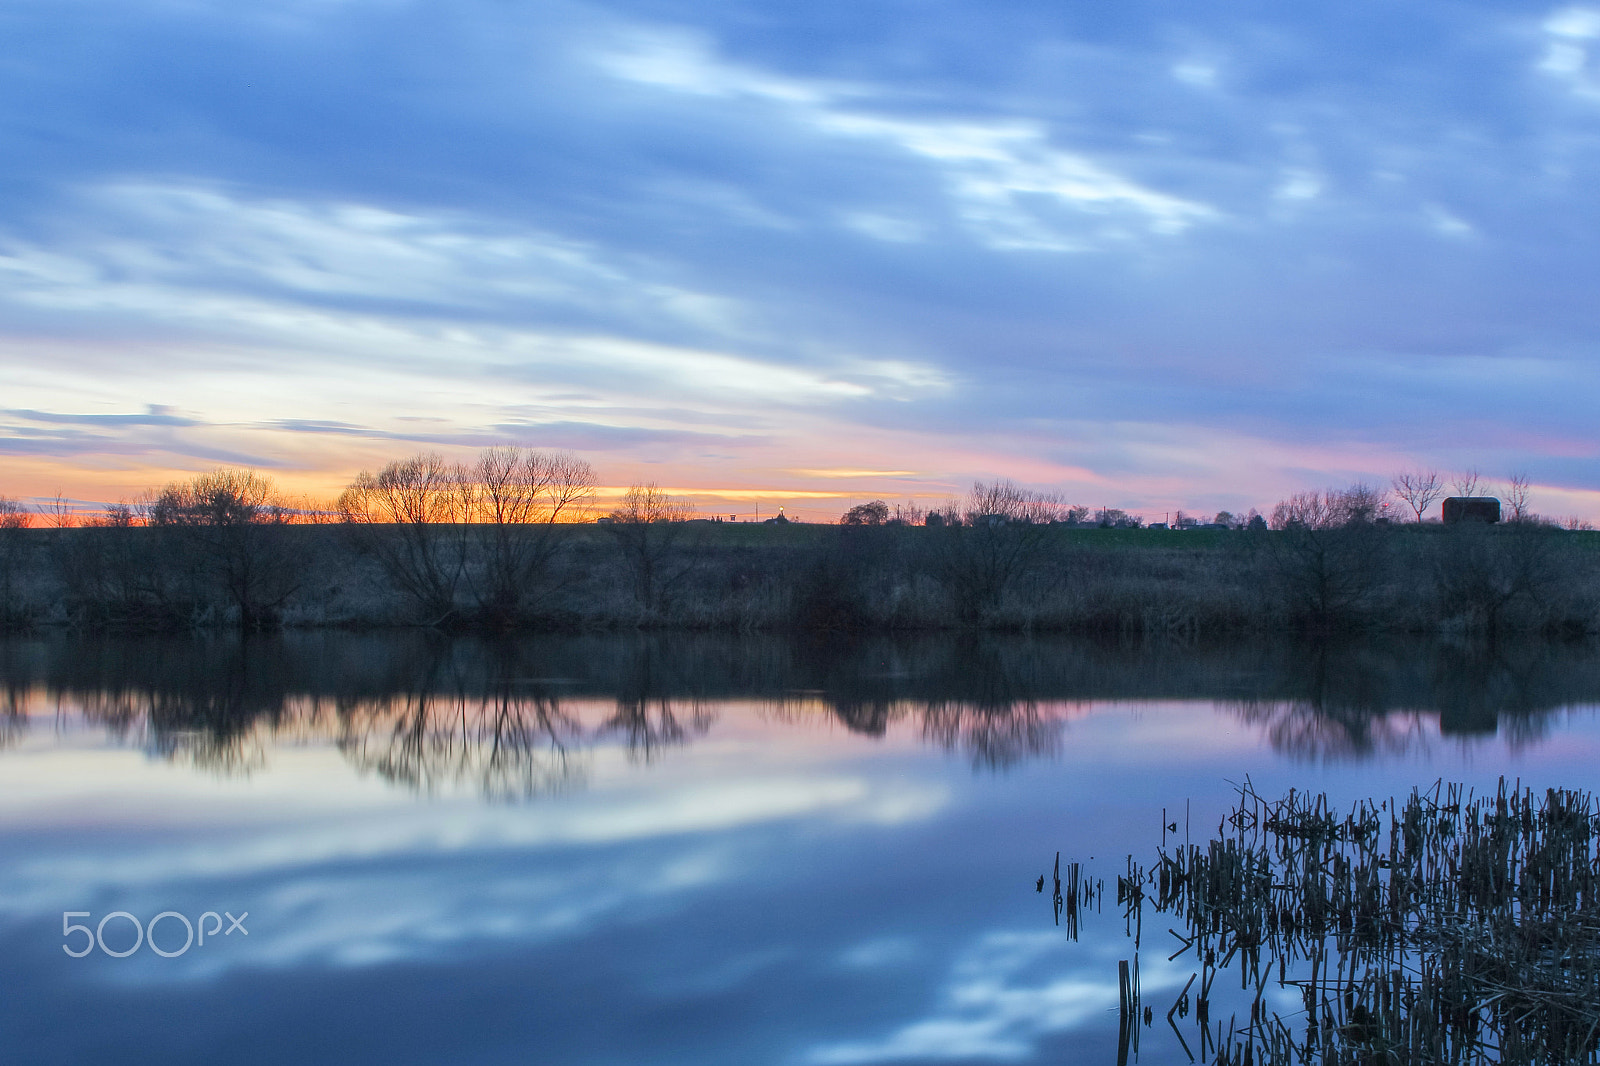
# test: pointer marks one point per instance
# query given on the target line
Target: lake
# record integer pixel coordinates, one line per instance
(412, 849)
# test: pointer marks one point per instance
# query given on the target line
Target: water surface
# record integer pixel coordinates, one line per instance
(637, 850)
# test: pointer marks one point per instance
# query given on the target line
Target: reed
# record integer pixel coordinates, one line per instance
(1447, 927)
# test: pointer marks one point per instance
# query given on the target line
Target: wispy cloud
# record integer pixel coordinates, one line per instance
(988, 1008)
(1002, 175)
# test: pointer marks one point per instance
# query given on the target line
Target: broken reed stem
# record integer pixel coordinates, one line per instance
(1447, 928)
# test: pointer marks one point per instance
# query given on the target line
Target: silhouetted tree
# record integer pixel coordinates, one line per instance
(1328, 554)
(1418, 489)
(58, 512)
(1467, 484)
(412, 518)
(1517, 497)
(1360, 504)
(115, 574)
(907, 514)
(1001, 535)
(648, 526)
(1116, 518)
(517, 497)
(231, 524)
(1482, 572)
(14, 519)
(875, 513)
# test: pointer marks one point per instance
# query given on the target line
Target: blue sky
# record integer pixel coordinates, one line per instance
(1142, 255)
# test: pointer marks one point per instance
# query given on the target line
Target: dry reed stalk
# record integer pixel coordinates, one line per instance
(1447, 928)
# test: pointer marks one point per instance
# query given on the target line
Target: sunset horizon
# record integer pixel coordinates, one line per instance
(1143, 261)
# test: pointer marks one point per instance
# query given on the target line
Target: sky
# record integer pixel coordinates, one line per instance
(1148, 256)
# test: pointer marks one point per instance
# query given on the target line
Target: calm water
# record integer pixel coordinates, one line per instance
(666, 851)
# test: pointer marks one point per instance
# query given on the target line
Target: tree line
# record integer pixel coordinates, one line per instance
(500, 542)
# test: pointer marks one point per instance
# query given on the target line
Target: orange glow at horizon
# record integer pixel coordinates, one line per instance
(762, 477)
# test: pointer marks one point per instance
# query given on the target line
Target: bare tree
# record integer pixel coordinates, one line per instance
(1467, 484)
(1329, 555)
(1005, 501)
(518, 497)
(875, 513)
(1360, 504)
(58, 512)
(230, 523)
(647, 526)
(113, 572)
(1517, 497)
(1482, 576)
(13, 515)
(14, 519)
(1002, 536)
(1117, 518)
(1418, 489)
(907, 514)
(1363, 504)
(411, 516)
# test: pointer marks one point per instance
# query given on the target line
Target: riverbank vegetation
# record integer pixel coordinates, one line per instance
(515, 541)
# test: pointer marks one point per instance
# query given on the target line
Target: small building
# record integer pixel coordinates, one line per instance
(1470, 509)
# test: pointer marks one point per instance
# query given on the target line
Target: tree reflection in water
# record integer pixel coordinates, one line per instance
(507, 745)
(518, 718)
(13, 716)
(1357, 702)
(647, 715)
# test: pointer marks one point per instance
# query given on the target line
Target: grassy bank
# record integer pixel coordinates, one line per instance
(749, 577)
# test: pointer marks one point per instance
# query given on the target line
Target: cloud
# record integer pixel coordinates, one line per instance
(986, 1009)
(1021, 243)
(995, 171)
(155, 415)
(160, 245)
(1569, 32)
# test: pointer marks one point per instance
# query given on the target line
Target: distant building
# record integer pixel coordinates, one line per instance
(1156, 525)
(1470, 509)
